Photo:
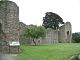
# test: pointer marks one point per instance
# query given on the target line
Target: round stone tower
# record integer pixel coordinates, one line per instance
(9, 20)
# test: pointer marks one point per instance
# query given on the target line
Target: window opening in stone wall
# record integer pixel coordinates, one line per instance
(68, 36)
(67, 32)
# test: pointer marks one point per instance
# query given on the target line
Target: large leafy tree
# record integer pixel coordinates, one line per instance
(52, 20)
(34, 32)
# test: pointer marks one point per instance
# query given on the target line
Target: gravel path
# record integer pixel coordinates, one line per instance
(8, 56)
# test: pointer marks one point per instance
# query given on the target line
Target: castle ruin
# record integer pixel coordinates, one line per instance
(11, 28)
(61, 35)
(9, 20)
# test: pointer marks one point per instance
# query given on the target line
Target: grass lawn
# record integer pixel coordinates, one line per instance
(60, 51)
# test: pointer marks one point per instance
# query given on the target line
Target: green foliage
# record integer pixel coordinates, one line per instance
(61, 51)
(52, 20)
(34, 32)
(76, 37)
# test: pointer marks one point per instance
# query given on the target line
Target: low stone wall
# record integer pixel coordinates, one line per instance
(12, 49)
(5, 49)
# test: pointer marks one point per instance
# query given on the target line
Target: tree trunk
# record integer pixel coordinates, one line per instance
(34, 42)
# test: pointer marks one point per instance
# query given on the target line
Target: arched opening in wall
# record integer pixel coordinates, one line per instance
(67, 33)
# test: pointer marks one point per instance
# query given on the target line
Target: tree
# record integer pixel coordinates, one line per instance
(76, 37)
(34, 32)
(52, 20)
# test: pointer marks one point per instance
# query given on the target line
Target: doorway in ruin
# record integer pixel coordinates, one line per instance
(68, 36)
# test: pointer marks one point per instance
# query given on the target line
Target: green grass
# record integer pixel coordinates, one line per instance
(61, 51)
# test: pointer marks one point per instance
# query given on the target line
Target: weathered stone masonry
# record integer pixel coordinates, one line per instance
(12, 29)
(9, 19)
(62, 35)
(9, 24)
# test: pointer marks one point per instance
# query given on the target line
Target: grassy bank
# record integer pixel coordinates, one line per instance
(61, 51)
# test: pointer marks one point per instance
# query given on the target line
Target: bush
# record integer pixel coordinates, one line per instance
(76, 37)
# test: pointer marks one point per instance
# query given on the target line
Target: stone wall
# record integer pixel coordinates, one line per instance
(65, 32)
(9, 21)
(51, 36)
(62, 35)
(13, 29)
(68, 31)
(22, 27)
(9, 18)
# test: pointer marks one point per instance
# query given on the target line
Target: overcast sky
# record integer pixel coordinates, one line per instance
(33, 11)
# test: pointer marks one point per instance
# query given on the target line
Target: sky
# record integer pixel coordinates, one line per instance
(33, 11)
